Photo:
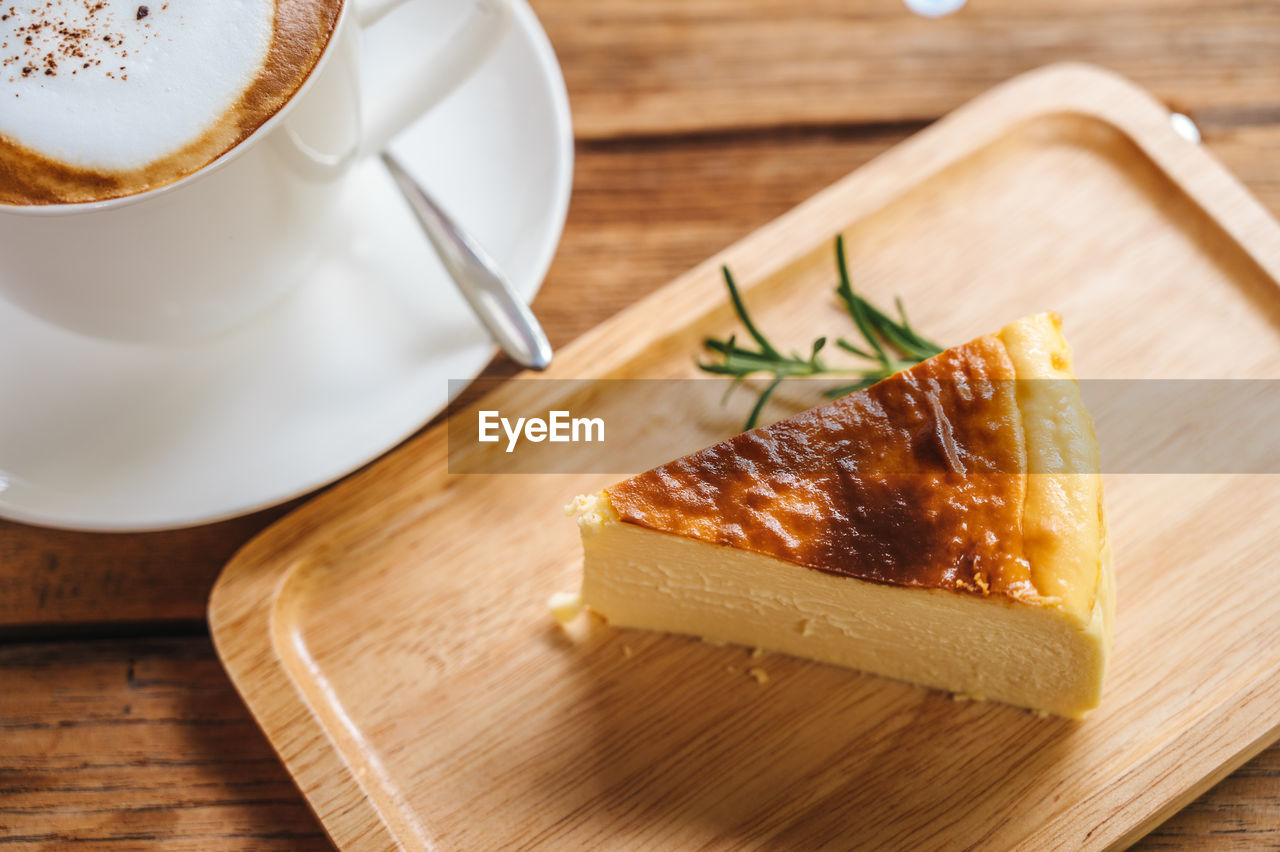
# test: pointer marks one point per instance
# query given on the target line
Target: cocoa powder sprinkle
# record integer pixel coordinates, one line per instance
(80, 33)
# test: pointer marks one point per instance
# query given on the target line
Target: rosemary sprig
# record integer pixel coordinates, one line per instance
(890, 344)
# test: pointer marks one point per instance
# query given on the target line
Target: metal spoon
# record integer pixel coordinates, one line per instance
(490, 295)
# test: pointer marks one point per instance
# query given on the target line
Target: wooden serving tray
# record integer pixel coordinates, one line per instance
(393, 638)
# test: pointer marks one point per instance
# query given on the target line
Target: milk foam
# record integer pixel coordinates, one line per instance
(113, 85)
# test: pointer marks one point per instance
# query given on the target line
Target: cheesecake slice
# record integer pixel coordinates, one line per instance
(942, 527)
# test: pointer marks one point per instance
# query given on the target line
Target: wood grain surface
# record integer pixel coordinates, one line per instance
(672, 166)
(674, 66)
(133, 743)
(143, 743)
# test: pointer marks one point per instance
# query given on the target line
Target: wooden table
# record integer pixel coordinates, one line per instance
(697, 121)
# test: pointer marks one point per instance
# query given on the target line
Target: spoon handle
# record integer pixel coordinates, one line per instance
(490, 295)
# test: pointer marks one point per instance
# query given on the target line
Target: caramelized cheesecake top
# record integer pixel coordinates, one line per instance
(919, 480)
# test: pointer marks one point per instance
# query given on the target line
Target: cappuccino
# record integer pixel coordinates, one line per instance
(103, 98)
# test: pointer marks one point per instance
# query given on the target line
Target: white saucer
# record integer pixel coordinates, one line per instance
(103, 436)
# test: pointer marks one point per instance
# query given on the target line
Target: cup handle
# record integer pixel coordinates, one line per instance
(434, 75)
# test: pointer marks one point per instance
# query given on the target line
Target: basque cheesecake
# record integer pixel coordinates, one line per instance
(943, 526)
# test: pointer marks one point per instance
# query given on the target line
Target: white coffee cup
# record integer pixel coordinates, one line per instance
(199, 256)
